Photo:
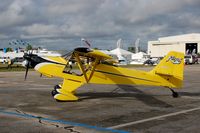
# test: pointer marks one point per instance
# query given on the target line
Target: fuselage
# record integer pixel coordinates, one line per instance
(101, 74)
(104, 74)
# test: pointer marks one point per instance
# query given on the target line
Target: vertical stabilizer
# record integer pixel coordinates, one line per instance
(171, 68)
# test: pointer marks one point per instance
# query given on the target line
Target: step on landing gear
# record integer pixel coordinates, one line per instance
(174, 93)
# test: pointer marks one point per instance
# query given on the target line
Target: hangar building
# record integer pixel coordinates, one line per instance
(186, 43)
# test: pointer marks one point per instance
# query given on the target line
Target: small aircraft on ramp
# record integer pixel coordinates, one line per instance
(94, 67)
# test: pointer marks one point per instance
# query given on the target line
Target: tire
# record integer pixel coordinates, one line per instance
(56, 87)
(54, 92)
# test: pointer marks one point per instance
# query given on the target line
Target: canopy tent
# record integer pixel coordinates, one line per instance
(139, 55)
(139, 58)
(122, 53)
(119, 51)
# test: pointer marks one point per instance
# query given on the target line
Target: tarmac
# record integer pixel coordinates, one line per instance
(28, 107)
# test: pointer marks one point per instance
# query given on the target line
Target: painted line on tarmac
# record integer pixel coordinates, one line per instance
(153, 118)
(28, 116)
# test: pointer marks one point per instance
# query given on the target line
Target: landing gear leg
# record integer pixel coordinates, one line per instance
(174, 93)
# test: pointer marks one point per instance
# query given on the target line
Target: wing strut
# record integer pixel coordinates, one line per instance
(81, 66)
(87, 79)
(93, 68)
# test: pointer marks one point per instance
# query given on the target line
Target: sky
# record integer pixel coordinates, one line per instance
(60, 24)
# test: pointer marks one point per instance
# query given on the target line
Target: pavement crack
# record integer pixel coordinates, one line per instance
(70, 128)
(48, 124)
(37, 117)
(21, 112)
(40, 120)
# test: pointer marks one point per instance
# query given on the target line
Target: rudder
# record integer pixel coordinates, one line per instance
(171, 68)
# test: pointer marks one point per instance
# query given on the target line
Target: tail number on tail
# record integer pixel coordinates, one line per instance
(174, 60)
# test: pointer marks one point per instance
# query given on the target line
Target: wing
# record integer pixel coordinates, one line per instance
(87, 52)
(87, 59)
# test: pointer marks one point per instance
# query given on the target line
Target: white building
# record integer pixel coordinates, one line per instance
(11, 55)
(4, 56)
(44, 52)
(187, 43)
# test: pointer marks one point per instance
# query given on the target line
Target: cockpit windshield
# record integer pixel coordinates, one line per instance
(81, 60)
(68, 55)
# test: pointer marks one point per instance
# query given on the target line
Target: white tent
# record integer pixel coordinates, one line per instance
(139, 58)
(122, 53)
(139, 55)
(119, 51)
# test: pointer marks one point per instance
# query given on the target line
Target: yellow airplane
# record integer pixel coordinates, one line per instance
(95, 67)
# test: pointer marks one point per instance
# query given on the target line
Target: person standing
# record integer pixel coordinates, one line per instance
(9, 62)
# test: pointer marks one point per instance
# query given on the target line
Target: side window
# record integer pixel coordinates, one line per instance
(73, 67)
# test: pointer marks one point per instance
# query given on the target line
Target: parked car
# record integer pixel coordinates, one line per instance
(122, 62)
(191, 59)
(3, 60)
(149, 62)
(17, 60)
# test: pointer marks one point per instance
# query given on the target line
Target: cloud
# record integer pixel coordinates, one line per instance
(42, 29)
(13, 15)
(2, 36)
(63, 7)
(62, 22)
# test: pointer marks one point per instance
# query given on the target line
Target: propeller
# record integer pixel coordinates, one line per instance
(31, 60)
(27, 67)
(27, 63)
(86, 42)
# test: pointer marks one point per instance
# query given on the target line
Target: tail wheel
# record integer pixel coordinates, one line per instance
(174, 93)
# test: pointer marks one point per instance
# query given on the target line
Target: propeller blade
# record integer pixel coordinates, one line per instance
(27, 67)
(86, 42)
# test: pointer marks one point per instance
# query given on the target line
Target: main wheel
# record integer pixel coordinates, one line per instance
(54, 92)
(57, 87)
